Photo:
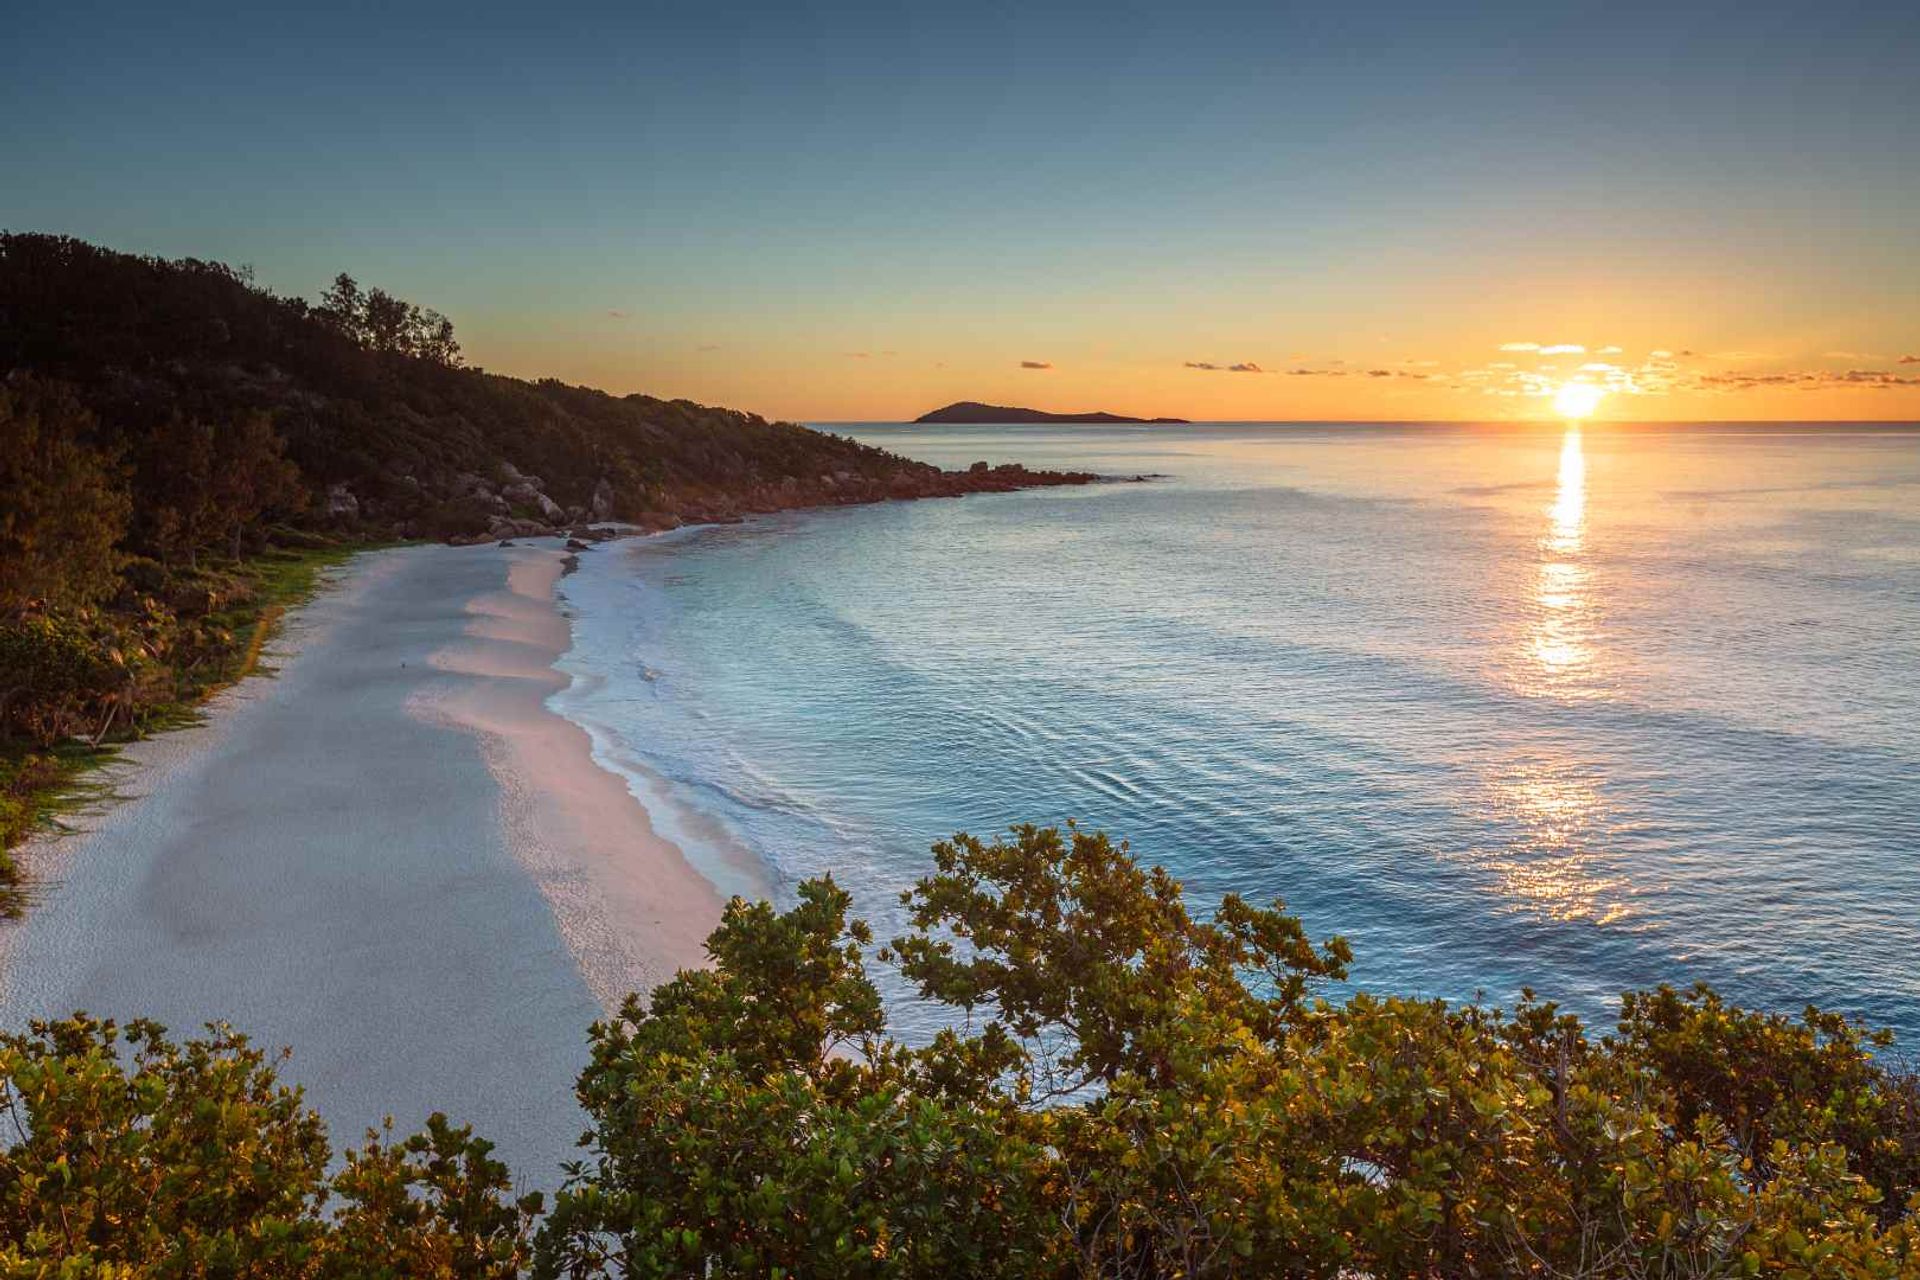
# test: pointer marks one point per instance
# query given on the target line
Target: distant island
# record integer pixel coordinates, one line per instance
(973, 411)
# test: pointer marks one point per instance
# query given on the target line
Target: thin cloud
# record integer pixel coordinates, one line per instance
(1519, 346)
(1850, 355)
(1244, 366)
(614, 313)
(1910, 360)
(1564, 349)
(1036, 364)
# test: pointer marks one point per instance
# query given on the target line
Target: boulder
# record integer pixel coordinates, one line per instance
(600, 506)
(341, 502)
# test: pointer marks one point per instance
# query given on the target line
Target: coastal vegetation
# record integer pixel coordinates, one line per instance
(1127, 1087)
(180, 449)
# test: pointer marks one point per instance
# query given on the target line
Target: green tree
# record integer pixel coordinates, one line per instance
(130, 1155)
(207, 485)
(65, 503)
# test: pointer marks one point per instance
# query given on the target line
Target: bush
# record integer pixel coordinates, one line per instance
(137, 1156)
(1127, 1090)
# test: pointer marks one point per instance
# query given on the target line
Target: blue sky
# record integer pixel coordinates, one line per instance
(753, 204)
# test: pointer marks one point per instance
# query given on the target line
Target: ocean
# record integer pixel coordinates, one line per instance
(1575, 709)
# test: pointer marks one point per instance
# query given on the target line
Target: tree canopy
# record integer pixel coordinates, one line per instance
(1126, 1089)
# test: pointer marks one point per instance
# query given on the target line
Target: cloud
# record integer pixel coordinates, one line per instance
(1546, 349)
(1036, 364)
(1806, 380)
(1245, 366)
(1317, 373)
(708, 346)
(1910, 359)
(859, 355)
(1379, 373)
(1608, 351)
(1661, 355)
(1850, 355)
(614, 313)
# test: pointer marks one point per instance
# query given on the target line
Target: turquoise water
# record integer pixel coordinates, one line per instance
(1580, 710)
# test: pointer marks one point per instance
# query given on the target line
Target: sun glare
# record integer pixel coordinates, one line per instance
(1577, 399)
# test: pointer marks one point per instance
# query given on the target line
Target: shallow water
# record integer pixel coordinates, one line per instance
(1580, 710)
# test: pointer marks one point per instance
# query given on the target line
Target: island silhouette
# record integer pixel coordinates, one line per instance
(972, 411)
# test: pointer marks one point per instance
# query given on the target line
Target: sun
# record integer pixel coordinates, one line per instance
(1577, 399)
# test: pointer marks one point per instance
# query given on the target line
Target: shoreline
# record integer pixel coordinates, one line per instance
(389, 855)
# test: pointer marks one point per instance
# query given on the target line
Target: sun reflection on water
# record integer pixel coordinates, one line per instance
(1549, 801)
(1561, 640)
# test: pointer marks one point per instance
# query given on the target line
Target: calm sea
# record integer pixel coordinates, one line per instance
(1574, 709)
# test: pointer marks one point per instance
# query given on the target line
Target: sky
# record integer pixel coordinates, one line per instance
(862, 211)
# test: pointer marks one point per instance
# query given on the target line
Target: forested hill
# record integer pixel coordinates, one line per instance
(386, 430)
(180, 450)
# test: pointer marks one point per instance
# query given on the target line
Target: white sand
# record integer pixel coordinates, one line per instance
(390, 857)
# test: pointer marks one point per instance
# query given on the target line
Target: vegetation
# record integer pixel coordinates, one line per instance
(1127, 1090)
(166, 425)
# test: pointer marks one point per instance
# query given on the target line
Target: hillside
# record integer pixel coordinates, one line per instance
(180, 450)
(388, 432)
(973, 412)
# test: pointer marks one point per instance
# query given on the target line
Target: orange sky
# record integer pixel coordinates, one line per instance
(804, 377)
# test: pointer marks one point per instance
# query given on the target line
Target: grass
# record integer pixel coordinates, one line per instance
(39, 787)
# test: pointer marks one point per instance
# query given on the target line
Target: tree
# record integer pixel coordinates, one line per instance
(66, 504)
(129, 1154)
(1132, 1091)
(207, 484)
(378, 321)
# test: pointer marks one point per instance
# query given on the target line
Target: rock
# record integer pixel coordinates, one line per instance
(508, 542)
(601, 504)
(342, 503)
(549, 508)
(574, 544)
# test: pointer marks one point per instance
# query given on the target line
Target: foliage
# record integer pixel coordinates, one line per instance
(1126, 1090)
(367, 391)
(379, 321)
(132, 1155)
(206, 486)
(65, 508)
(1131, 1091)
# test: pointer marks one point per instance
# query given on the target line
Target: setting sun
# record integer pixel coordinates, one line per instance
(1577, 399)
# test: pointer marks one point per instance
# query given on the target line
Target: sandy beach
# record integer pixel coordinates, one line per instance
(389, 856)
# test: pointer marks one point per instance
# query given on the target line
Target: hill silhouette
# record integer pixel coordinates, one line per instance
(972, 411)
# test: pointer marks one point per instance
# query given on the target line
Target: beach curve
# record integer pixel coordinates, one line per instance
(391, 857)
